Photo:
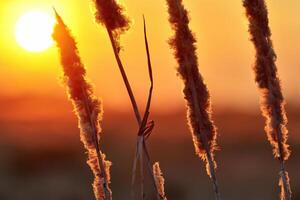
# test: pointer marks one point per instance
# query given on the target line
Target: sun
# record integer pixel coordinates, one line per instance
(34, 30)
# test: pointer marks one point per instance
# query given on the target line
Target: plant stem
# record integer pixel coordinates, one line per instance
(125, 79)
(285, 182)
(141, 146)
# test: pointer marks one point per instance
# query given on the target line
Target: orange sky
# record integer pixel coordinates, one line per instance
(225, 53)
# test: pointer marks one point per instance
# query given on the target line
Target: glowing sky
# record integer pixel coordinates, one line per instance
(225, 53)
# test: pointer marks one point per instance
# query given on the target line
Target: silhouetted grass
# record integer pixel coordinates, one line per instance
(195, 91)
(87, 108)
(111, 15)
(266, 77)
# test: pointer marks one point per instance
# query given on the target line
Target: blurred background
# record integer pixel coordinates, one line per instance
(41, 156)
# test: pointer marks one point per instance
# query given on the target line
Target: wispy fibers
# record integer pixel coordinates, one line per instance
(195, 91)
(159, 180)
(87, 108)
(111, 14)
(272, 101)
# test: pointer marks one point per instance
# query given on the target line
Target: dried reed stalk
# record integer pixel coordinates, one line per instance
(87, 108)
(110, 14)
(272, 101)
(195, 91)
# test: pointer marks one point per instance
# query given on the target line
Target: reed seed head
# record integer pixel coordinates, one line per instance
(195, 90)
(159, 180)
(266, 76)
(87, 107)
(111, 14)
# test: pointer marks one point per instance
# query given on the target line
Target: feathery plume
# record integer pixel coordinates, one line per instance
(111, 14)
(159, 180)
(195, 91)
(267, 79)
(272, 101)
(87, 108)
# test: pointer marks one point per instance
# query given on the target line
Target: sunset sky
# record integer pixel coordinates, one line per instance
(225, 53)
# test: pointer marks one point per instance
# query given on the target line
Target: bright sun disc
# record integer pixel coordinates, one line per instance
(34, 30)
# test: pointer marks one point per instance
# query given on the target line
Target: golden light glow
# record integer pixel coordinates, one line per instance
(33, 31)
(225, 53)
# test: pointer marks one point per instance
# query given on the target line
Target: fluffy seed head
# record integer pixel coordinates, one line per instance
(195, 91)
(87, 107)
(159, 180)
(111, 14)
(266, 76)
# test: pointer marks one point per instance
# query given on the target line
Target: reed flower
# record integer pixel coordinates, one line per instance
(195, 90)
(111, 14)
(87, 108)
(266, 77)
(159, 180)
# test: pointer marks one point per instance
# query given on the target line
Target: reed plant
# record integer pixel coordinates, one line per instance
(267, 79)
(111, 15)
(159, 180)
(87, 107)
(195, 90)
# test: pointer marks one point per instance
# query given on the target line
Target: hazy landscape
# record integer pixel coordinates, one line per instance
(42, 158)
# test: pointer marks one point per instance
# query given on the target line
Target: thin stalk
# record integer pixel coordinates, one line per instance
(141, 146)
(147, 110)
(125, 79)
(286, 185)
